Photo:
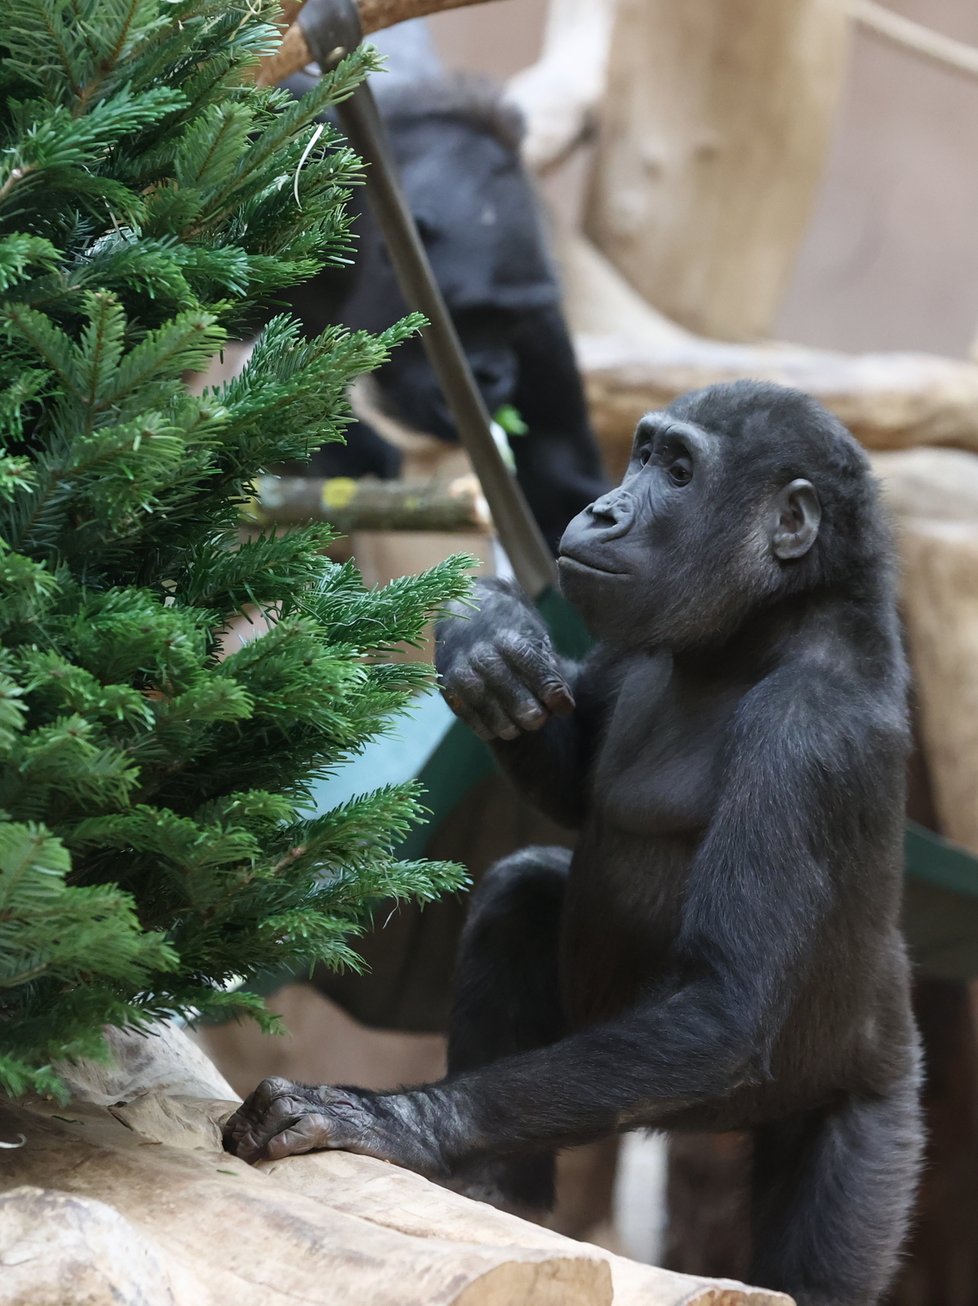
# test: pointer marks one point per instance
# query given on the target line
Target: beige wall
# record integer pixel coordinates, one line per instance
(891, 258)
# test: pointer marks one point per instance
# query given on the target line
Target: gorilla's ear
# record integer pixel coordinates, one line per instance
(794, 521)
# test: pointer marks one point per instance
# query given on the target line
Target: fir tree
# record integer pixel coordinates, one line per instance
(156, 840)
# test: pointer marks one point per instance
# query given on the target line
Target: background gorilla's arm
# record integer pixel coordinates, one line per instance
(364, 453)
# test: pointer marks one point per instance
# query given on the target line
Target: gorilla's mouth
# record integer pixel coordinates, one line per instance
(566, 559)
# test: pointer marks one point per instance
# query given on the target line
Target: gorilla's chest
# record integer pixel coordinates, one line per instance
(658, 766)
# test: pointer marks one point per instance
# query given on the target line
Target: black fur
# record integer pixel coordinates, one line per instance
(456, 144)
(722, 951)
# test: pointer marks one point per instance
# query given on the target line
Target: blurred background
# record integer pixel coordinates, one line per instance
(889, 259)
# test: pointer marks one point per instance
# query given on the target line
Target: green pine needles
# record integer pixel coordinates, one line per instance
(156, 840)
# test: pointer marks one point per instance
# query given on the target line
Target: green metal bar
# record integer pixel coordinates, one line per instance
(937, 861)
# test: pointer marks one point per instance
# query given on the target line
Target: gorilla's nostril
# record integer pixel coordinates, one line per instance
(616, 506)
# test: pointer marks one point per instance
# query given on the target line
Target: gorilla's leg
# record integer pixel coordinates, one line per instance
(832, 1195)
(507, 999)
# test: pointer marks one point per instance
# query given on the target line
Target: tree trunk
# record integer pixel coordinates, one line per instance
(714, 133)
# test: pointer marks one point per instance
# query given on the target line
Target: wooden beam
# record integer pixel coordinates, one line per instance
(888, 401)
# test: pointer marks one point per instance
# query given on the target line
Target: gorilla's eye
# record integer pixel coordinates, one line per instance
(680, 472)
(677, 461)
(645, 455)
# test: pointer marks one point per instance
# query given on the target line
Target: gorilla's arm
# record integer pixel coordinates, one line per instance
(759, 902)
(501, 675)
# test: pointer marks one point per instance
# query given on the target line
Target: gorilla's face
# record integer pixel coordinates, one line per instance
(702, 529)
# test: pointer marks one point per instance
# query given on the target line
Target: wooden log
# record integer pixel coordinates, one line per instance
(634, 359)
(229, 1235)
(941, 484)
(391, 1197)
(940, 593)
(136, 1205)
(162, 1060)
(932, 497)
(714, 131)
(371, 505)
(889, 401)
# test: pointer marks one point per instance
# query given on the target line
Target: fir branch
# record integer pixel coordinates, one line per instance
(156, 842)
(18, 252)
(49, 928)
(57, 149)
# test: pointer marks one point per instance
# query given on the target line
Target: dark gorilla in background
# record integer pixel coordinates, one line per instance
(457, 147)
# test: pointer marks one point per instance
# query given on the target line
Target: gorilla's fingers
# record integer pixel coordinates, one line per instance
(465, 693)
(522, 709)
(277, 1109)
(535, 661)
(496, 713)
(307, 1134)
(240, 1132)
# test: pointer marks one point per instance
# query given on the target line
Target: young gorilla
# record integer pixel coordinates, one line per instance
(722, 950)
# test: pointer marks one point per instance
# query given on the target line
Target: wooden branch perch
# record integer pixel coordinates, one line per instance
(888, 401)
(634, 358)
(371, 505)
(375, 15)
(126, 1196)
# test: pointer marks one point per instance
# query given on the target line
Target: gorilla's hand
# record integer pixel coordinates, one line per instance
(281, 1119)
(499, 671)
